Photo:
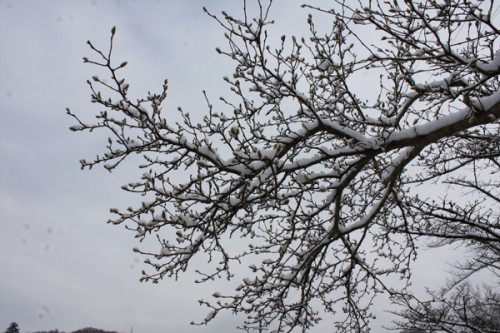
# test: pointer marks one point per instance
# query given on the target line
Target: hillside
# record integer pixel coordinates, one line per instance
(82, 330)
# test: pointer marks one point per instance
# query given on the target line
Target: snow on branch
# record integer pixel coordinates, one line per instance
(313, 172)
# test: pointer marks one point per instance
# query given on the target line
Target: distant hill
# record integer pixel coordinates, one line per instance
(82, 330)
(92, 330)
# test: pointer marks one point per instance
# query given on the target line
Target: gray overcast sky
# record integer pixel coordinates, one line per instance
(61, 265)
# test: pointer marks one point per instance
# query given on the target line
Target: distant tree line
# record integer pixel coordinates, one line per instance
(14, 328)
(82, 330)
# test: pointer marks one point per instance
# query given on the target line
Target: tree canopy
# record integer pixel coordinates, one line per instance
(326, 183)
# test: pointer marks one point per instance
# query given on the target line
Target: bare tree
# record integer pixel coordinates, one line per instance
(464, 309)
(317, 175)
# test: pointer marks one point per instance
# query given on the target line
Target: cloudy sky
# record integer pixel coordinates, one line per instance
(61, 265)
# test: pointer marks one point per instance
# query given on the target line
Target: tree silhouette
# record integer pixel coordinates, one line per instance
(13, 328)
(462, 309)
(327, 183)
